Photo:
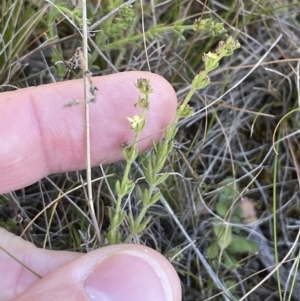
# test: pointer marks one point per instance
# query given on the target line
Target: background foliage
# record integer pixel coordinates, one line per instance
(242, 214)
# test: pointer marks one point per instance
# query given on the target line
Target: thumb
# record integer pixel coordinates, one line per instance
(39, 135)
(113, 273)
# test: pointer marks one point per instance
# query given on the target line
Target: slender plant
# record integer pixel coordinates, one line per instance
(155, 162)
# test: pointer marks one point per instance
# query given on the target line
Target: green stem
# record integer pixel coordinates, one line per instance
(148, 34)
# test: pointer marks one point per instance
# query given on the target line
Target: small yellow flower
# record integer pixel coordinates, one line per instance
(134, 121)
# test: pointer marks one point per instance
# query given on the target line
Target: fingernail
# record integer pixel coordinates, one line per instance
(128, 277)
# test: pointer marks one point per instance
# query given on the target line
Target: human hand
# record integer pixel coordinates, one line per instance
(38, 136)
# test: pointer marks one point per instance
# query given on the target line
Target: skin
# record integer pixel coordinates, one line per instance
(38, 137)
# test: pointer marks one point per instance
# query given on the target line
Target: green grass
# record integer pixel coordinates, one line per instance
(242, 141)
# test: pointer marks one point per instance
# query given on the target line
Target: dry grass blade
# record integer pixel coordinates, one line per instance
(89, 96)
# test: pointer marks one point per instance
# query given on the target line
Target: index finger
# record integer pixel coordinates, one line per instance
(40, 136)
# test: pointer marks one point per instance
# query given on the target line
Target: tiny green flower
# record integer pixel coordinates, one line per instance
(185, 111)
(136, 122)
(209, 25)
(143, 103)
(144, 86)
(211, 61)
(200, 81)
(124, 144)
(227, 48)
